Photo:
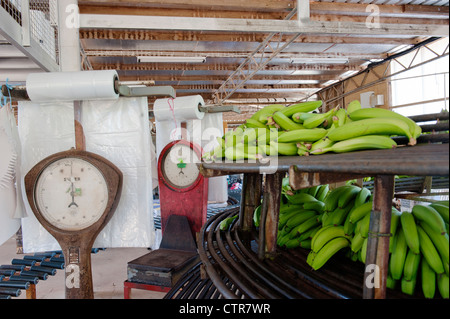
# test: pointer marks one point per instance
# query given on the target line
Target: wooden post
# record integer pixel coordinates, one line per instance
(377, 257)
(269, 216)
(250, 199)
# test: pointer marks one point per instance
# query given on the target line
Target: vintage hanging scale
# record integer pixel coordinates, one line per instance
(182, 189)
(74, 194)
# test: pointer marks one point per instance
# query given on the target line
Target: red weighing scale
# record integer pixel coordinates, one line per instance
(183, 194)
(182, 189)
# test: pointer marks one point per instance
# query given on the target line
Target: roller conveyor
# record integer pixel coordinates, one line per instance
(25, 273)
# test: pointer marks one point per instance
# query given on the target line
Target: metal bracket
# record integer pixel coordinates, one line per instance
(219, 108)
(125, 90)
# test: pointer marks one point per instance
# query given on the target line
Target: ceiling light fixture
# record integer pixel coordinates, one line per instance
(170, 59)
(319, 60)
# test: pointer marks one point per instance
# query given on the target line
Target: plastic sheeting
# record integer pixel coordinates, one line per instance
(115, 129)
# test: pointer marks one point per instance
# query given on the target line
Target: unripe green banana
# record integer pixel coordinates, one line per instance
(257, 216)
(292, 243)
(306, 243)
(317, 206)
(411, 266)
(428, 215)
(341, 115)
(323, 237)
(283, 218)
(251, 123)
(364, 250)
(385, 113)
(443, 285)
(322, 229)
(340, 214)
(408, 286)
(372, 126)
(308, 234)
(410, 231)
(297, 219)
(395, 220)
(267, 110)
(285, 122)
(310, 257)
(328, 250)
(428, 277)
(305, 226)
(242, 151)
(398, 256)
(323, 192)
(302, 135)
(249, 136)
(390, 282)
(321, 144)
(301, 107)
(353, 106)
(348, 195)
(319, 118)
(348, 227)
(357, 242)
(268, 150)
(440, 242)
(266, 135)
(300, 117)
(365, 142)
(442, 210)
(225, 224)
(287, 149)
(429, 252)
(358, 212)
(332, 199)
(300, 198)
(365, 224)
(362, 197)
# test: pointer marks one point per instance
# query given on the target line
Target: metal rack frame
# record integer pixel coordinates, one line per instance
(423, 160)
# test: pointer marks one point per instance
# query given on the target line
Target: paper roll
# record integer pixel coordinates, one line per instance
(72, 86)
(179, 109)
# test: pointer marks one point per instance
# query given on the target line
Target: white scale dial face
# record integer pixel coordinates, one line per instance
(71, 194)
(179, 167)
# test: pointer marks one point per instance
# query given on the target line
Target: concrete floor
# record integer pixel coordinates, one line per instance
(109, 271)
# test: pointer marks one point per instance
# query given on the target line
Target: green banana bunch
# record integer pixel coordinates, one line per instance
(367, 113)
(371, 126)
(410, 231)
(242, 151)
(303, 107)
(358, 143)
(252, 123)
